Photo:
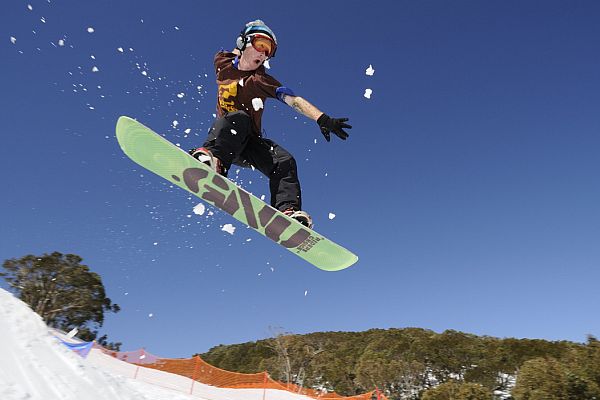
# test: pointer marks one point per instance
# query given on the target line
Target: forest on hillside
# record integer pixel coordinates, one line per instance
(415, 363)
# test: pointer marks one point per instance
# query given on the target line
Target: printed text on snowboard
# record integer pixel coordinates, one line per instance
(230, 198)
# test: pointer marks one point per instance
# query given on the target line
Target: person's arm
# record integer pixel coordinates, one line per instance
(303, 107)
(326, 123)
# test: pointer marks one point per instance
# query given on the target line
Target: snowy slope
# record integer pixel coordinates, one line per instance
(34, 365)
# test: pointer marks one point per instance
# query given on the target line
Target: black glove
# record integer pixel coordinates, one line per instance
(335, 125)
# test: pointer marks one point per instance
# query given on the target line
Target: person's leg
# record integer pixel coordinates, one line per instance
(228, 137)
(279, 166)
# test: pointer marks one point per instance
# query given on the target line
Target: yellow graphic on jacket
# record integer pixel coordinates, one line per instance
(226, 92)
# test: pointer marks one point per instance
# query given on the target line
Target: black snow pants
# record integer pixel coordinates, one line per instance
(232, 141)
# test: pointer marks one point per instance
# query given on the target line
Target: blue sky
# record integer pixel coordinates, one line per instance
(468, 186)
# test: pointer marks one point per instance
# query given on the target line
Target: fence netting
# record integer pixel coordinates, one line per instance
(198, 370)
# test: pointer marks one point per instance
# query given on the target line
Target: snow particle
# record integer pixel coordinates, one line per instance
(90, 30)
(370, 71)
(120, 49)
(368, 93)
(331, 215)
(95, 69)
(199, 209)
(257, 103)
(181, 95)
(13, 39)
(175, 123)
(61, 42)
(228, 228)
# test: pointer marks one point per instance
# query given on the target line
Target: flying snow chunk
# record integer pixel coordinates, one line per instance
(120, 49)
(267, 65)
(90, 30)
(13, 39)
(233, 132)
(241, 82)
(228, 228)
(368, 93)
(61, 42)
(181, 95)
(370, 71)
(29, 7)
(187, 131)
(95, 69)
(175, 123)
(331, 215)
(305, 292)
(257, 103)
(199, 209)
(144, 73)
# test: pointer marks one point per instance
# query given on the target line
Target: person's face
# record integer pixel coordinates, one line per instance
(253, 58)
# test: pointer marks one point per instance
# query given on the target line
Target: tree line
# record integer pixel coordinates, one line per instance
(414, 363)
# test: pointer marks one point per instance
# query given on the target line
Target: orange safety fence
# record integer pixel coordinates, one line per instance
(198, 370)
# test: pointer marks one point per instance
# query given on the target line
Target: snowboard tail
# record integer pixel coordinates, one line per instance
(162, 157)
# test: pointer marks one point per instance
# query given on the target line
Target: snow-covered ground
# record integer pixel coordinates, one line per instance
(35, 365)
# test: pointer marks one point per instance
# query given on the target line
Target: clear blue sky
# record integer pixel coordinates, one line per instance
(469, 186)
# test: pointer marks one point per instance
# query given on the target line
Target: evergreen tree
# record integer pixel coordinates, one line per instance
(453, 390)
(541, 379)
(64, 292)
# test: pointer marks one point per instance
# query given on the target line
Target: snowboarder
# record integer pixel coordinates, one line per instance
(236, 135)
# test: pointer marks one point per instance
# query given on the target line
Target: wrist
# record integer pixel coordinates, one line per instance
(324, 117)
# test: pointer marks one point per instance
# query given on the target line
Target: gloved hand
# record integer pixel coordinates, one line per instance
(335, 125)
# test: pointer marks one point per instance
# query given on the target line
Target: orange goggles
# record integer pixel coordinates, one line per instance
(263, 44)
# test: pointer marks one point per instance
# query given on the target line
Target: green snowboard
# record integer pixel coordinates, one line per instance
(160, 156)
